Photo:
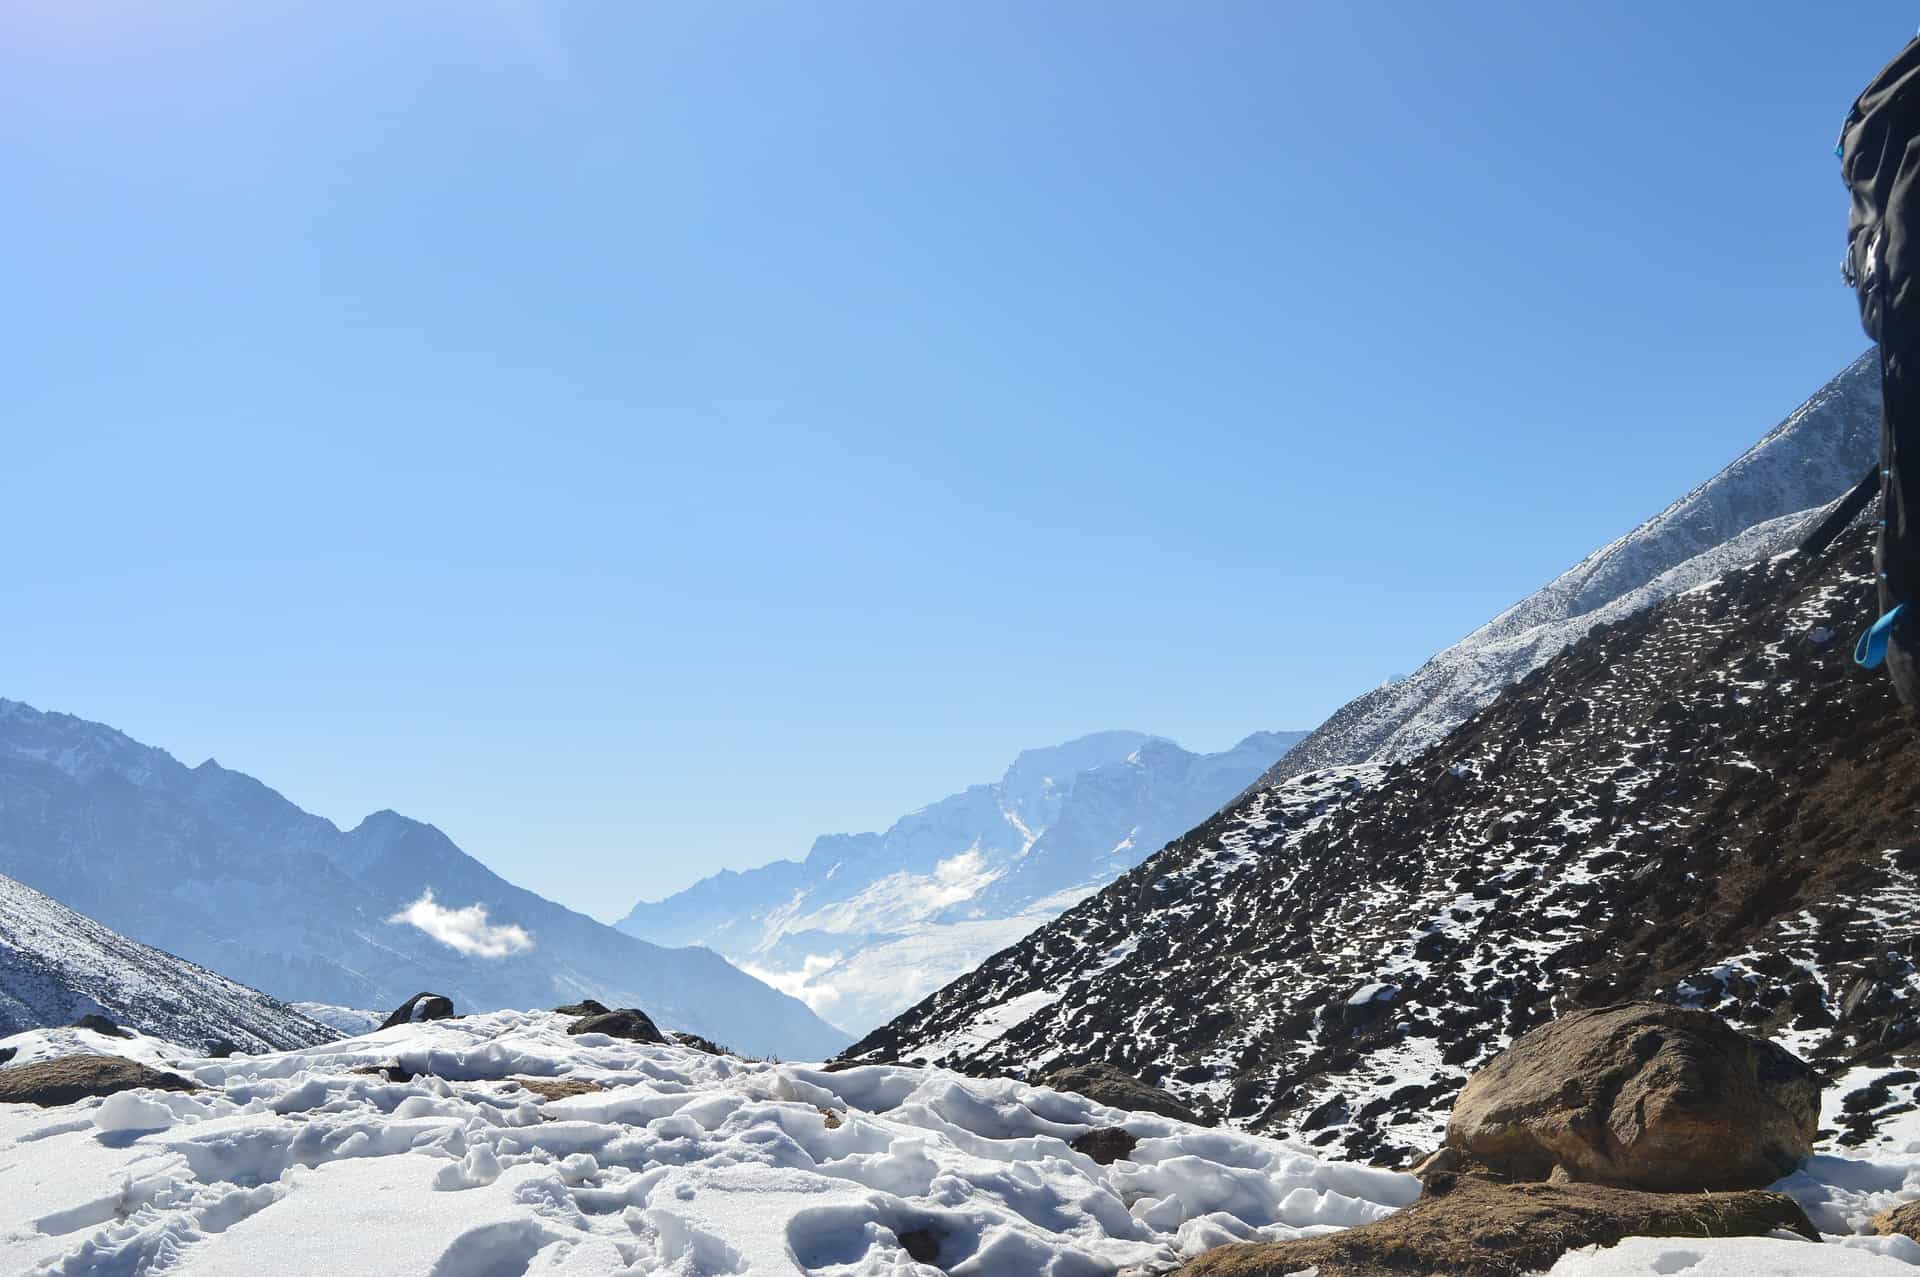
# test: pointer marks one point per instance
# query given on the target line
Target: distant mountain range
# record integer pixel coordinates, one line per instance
(870, 923)
(57, 965)
(214, 866)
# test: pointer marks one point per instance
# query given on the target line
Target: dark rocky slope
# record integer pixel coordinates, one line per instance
(58, 966)
(1704, 802)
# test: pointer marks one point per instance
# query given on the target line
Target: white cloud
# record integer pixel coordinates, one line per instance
(801, 984)
(464, 929)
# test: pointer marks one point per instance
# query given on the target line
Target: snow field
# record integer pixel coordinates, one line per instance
(686, 1164)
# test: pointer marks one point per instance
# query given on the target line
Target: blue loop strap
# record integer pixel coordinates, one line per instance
(1871, 650)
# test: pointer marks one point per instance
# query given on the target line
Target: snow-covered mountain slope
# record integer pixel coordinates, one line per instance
(677, 1163)
(1739, 516)
(1704, 801)
(214, 866)
(868, 924)
(57, 965)
(685, 1163)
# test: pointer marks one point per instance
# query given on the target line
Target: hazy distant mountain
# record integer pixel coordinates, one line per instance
(214, 866)
(869, 923)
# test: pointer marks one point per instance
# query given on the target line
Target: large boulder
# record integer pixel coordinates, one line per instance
(50, 1083)
(1640, 1094)
(630, 1023)
(1105, 1084)
(421, 1006)
(1472, 1226)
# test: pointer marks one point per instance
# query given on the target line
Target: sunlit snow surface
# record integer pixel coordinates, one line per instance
(688, 1164)
(697, 1164)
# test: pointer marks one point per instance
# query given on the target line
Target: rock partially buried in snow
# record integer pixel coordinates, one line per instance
(585, 1006)
(557, 1088)
(1105, 1144)
(695, 1042)
(101, 1024)
(71, 1078)
(1640, 1094)
(630, 1023)
(1119, 1089)
(1471, 1226)
(421, 1006)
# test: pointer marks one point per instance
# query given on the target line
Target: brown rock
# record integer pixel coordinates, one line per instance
(1443, 1161)
(557, 1088)
(698, 1043)
(585, 1006)
(421, 1006)
(1478, 1227)
(629, 1022)
(1903, 1219)
(1105, 1084)
(1105, 1144)
(394, 1072)
(78, 1077)
(1640, 1094)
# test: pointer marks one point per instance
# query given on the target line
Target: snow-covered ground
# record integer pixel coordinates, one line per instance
(688, 1163)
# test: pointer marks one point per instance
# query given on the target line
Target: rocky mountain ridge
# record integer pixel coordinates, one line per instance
(1703, 802)
(1752, 508)
(57, 966)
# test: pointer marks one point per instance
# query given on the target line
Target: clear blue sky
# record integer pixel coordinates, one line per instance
(639, 437)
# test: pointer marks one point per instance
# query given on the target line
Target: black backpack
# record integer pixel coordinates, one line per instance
(1880, 160)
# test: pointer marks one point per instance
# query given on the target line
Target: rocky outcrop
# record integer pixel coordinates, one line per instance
(1119, 1089)
(1472, 1226)
(630, 1023)
(421, 1006)
(1644, 1095)
(70, 1078)
(585, 1006)
(694, 1041)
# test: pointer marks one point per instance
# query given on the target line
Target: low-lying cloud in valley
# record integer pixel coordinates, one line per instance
(466, 930)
